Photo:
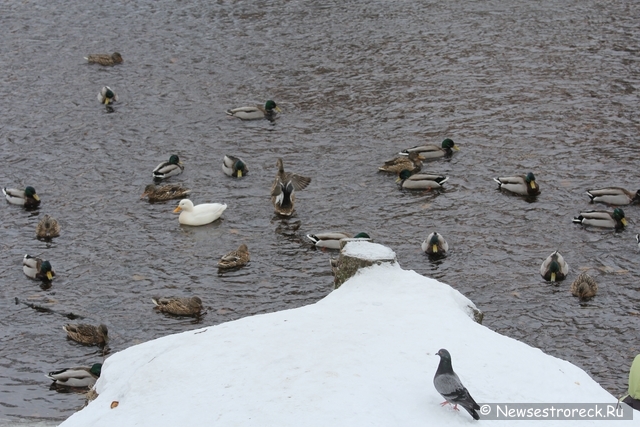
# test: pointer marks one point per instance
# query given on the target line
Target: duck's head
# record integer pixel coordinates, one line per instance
(45, 268)
(531, 179)
(554, 268)
(271, 105)
(618, 215)
(449, 144)
(117, 57)
(108, 94)
(175, 160)
(31, 192)
(239, 166)
(149, 189)
(434, 241)
(404, 174)
(184, 205)
(96, 369)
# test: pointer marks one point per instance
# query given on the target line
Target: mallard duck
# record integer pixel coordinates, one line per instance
(431, 151)
(80, 376)
(420, 181)
(235, 259)
(107, 96)
(524, 185)
(104, 59)
(178, 306)
(584, 286)
(602, 219)
(282, 190)
(164, 192)
(87, 334)
(268, 112)
(613, 196)
(36, 268)
(27, 197)
(331, 239)
(234, 166)
(412, 163)
(47, 228)
(554, 268)
(435, 244)
(200, 214)
(172, 167)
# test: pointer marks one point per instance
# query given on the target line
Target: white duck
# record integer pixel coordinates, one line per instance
(202, 214)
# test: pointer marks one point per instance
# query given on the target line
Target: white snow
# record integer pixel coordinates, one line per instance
(368, 251)
(362, 356)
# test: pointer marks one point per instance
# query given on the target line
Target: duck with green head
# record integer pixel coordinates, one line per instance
(167, 169)
(268, 112)
(430, 151)
(420, 181)
(234, 167)
(107, 96)
(331, 239)
(523, 185)
(603, 219)
(554, 268)
(435, 245)
(27, 197)
(613, 196)
(38, 269)
(78, 377)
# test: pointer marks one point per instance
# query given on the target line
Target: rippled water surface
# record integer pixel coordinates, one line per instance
(547, 87)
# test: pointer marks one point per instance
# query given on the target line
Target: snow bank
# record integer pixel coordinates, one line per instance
(362, 356)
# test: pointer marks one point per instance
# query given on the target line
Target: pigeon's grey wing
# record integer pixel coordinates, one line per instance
(449, 386)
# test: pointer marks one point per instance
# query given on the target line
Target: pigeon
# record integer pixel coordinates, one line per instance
(449, 386)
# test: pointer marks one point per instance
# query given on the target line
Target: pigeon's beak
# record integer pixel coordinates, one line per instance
(178, 209)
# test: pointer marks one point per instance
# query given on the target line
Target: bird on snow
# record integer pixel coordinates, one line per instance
(449, 386)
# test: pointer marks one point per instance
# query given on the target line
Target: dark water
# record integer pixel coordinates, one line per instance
(548, 87)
